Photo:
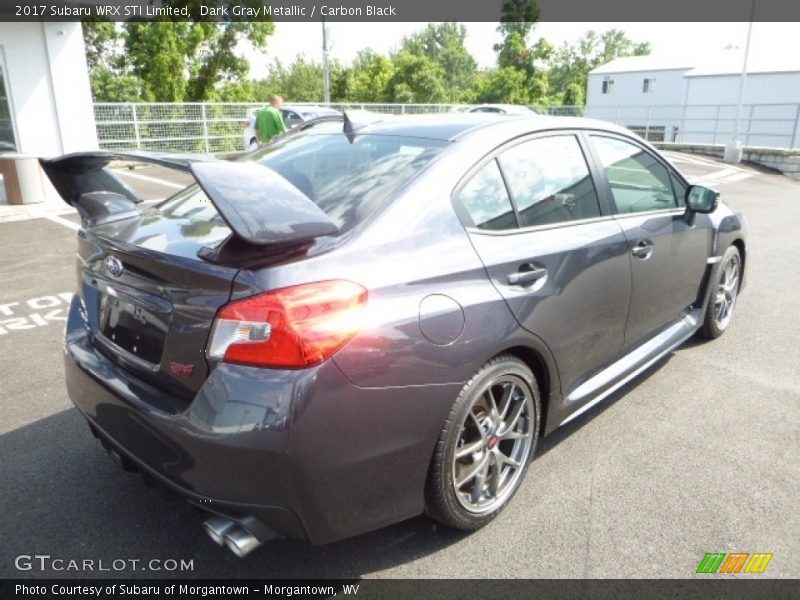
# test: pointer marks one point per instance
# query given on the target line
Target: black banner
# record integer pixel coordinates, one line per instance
(396, 10)
(702, 588)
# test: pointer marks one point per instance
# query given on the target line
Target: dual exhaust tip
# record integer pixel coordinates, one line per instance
(236, 538)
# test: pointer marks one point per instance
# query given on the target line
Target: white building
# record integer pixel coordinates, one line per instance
(696, 100)
(45, 96)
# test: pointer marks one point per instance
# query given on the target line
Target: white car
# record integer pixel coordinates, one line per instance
(506, 109)
(292, 117)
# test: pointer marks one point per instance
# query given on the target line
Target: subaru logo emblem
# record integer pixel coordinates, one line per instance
(114, 266)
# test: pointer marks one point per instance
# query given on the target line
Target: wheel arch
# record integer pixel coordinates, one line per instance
(541, 371)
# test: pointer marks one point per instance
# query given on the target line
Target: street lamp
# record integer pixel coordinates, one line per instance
(733, 149)
(326, 72)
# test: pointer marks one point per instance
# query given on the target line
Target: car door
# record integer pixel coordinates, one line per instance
(668, 252)
(559, 260)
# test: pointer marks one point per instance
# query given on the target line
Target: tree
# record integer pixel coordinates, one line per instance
(170, 61)
(416, 78)
(516, 23)
(571, 63)
(371, 74)
(443, 45)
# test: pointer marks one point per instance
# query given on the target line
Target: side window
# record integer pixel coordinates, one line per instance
(486, 200)
(638, 181)
(679, 189)
(549, 181)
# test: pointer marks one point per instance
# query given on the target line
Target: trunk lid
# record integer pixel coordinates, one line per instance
(151, 279)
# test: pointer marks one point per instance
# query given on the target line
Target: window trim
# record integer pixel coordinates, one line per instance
(466, 219)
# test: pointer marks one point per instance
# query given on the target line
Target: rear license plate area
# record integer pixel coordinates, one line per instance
(133, 328)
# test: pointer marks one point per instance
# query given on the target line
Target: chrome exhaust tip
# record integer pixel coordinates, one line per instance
(217, 527)
(240, 541)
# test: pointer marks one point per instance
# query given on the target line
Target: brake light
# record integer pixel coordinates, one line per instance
(292, 327)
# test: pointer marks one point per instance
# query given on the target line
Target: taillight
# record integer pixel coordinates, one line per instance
(292, 327)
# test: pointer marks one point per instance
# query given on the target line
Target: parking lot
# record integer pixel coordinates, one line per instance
(698, 455)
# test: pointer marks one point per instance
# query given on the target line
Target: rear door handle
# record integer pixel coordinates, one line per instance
(643, 249)
(526, 277)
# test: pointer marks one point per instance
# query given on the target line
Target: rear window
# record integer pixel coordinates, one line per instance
(348, 181)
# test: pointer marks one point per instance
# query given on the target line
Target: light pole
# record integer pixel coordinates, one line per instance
(733, 150)
(326, 73)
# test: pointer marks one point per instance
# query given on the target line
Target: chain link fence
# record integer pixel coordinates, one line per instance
(218, 126)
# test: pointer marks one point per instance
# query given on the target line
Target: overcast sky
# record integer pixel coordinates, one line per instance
(672, 39)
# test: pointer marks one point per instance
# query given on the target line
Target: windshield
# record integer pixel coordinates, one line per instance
(348, 181)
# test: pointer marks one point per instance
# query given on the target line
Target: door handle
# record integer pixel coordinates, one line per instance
(643, 249)
(526, 277)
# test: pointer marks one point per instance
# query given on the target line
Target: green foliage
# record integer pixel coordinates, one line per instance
(170, 61)
(443, 45)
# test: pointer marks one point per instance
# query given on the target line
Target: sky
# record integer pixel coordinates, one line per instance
(667, 39)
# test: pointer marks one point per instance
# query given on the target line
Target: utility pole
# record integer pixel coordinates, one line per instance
(733, 150)
(326, 73)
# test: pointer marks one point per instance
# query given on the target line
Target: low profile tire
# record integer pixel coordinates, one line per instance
(724, 294)
(485, 446)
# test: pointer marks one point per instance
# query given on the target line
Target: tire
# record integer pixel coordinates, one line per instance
(724, 294)
(493, 426)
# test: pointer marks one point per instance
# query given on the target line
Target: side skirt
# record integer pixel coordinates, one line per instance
(629, 366)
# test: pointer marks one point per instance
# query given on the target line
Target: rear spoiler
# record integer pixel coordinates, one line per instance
(83, 181)
(259, 205)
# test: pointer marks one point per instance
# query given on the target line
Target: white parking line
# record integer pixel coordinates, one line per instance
(172, 184)
(62, 221)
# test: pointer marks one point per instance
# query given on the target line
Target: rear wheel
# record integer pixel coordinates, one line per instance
(485, 445)
(725, 293)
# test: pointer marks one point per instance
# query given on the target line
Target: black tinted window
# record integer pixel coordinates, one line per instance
(639, 182)
(485, 198)
(550, 181)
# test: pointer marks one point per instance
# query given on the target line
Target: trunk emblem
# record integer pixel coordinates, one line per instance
(180, 370)
(113, 266)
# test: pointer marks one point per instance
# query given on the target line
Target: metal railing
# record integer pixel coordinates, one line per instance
(219, 126)
(767, 125)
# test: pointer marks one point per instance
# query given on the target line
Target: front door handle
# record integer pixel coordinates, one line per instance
(526, 277)
(643, 249)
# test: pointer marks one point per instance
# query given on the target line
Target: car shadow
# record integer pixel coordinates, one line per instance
(562, 433)
(71, 502)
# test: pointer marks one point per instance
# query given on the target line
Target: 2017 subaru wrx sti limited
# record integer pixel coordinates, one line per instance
(364, 322)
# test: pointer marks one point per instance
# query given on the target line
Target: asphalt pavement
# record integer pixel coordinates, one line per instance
(700, 454)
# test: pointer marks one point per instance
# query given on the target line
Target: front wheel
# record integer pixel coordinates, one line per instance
(485, 445)
(725, 293)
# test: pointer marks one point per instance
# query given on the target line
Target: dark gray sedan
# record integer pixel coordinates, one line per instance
(365, 321)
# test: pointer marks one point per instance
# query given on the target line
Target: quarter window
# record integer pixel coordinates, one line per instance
(486, 200)
(639, 182)
(549, 181)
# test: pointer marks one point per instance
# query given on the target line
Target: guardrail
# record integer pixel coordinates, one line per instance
(763, 125)
(219, 126)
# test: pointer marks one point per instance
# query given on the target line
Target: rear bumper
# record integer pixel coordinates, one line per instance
(302, 453)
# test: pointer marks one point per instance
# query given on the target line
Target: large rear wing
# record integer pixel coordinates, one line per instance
(259, 205)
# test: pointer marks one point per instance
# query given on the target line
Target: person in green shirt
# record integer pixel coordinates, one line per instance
(269, 121)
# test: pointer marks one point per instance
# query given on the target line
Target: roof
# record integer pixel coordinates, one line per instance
(728, 62)
(632, 64)
(451, 126)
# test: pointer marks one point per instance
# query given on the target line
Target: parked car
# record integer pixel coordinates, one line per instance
(362, 322)
(504, 109)
(292, 117)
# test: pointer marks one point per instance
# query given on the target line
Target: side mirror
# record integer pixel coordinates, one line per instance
(701, 199)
